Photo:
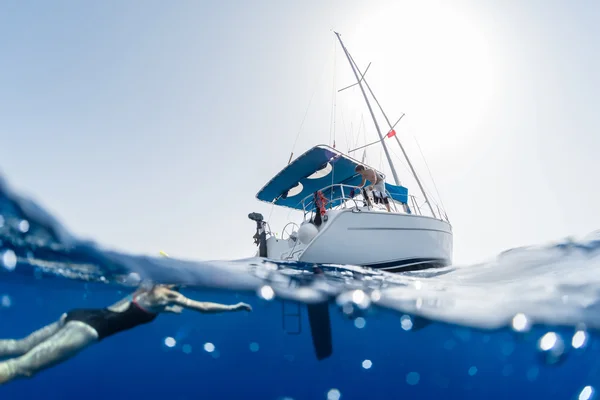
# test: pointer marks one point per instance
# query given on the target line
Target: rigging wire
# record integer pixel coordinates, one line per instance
(334, 99)
(308, 108)
(430, 174)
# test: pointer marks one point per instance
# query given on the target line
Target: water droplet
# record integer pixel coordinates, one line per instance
(254, 347)
(170, 342)
(6, 301)
(24, 226)
(406, 322)
(360, 322)
(187, 349)
(9, 260)
(209, 347)
(473, 371)
(521, 323)
(333, 394)
(267, 293)
(586, 393)
(579, 339)
(412, 378)
(367, 364)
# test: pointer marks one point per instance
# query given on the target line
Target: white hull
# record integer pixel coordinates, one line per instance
(388, 241)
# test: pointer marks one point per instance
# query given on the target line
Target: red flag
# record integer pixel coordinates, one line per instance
(391, 133)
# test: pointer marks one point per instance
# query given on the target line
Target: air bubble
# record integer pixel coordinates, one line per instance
(267, 293)
(9, 260)
(406, 322)
(6, 301)
(133, 279)
(552, 348)
(170, 342)
(333, 394)
(412, 378)
(473, 371)
(254, 347)
(348, 309)
(579, 339)
(520, 323)
(375, 296)
(548, 341)
(361, 299)
(209, 347)
(360, 322)
(24, 226)
(367, 364)
(586, 393)
(186, 348)
(419, 303)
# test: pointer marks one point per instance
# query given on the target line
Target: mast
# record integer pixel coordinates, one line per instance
(387, 154)
(398, 140)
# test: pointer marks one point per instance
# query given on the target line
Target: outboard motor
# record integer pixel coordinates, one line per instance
(260, 237)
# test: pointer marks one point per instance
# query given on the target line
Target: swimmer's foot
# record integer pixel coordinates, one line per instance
(6, 373)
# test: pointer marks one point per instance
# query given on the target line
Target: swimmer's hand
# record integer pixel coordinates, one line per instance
(174, 309)
(242, 307)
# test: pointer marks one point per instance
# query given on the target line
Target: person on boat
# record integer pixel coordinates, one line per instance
(80, 328)
(377, 185)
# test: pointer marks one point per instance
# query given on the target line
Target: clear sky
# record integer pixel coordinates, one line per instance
(148, 125)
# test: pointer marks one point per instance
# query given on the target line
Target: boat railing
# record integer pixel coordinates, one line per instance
(420, 207)
(342, 201)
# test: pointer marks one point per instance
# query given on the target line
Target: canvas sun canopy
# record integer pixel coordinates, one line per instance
(317, 168)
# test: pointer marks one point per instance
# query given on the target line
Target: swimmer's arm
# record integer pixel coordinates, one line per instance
(208, 307)
(362, 183)
(127, 299)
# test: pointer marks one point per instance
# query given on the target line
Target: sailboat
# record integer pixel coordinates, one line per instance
(346, 224)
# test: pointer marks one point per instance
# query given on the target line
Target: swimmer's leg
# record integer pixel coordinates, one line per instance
(12, 348)
(66, 343)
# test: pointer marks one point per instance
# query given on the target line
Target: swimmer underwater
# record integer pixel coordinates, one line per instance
(80, 328)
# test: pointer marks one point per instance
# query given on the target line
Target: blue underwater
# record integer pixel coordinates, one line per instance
(521, 326)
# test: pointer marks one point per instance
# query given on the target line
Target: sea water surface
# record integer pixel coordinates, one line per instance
(521, 326)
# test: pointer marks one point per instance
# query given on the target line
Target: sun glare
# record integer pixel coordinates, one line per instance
(432, 62)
